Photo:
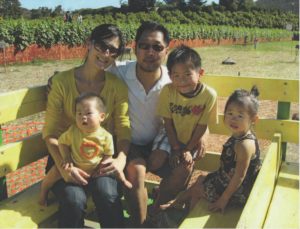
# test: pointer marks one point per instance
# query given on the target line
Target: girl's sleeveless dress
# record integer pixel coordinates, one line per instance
(216, 182)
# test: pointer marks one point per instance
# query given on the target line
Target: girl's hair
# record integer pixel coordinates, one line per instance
(246, 99)
(184, 54)
(90, 96)
(152, 26)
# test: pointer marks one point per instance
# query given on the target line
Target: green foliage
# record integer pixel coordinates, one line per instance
(47, 33)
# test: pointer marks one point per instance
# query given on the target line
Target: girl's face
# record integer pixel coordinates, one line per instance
(185, 77)
(238, 120)
(103, 53)
(88, 117)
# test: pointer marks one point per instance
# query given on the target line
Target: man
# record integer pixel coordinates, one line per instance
(145, 79)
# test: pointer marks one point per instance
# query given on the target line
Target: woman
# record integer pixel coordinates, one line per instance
(104, 46)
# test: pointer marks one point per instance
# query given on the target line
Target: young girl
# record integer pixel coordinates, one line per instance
(232, 182)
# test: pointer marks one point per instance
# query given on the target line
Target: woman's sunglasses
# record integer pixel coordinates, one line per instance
(155, 47)
(101, 46)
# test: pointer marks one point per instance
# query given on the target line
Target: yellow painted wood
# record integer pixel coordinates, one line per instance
(18, 154)
(284, 208)
(23, 211)
(201, 217)
(21, 103)
(265, 128)
(255, 210)
(210, 162)
(270, 89)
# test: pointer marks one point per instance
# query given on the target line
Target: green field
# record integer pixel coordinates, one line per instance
(270, 60)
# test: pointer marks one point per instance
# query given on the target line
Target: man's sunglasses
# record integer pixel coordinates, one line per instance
(101, 46)
(155, 47)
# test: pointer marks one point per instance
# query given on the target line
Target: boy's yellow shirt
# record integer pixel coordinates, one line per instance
(87, 149)
(185, 112)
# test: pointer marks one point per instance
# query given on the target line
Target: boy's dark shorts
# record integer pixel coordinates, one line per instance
(144, 151)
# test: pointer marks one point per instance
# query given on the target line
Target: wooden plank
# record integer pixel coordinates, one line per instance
(255, 210)
(15, 155)
(265, 128)
(210, 162)
(23, 211)
(284, 208)
(201, 217)
(284, 90)
(21, 103)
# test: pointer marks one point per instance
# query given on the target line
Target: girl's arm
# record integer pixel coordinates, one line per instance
(244, 151)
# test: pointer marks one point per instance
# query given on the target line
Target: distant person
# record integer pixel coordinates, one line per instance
(79, 18)
(84, 145)
(185, 106)
(239, 163)
(68, 17)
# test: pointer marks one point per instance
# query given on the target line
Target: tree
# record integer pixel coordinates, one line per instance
(10, 8)
(231, 5)
(140, 5)
(196, 2)
(57, 11)
(286, 5)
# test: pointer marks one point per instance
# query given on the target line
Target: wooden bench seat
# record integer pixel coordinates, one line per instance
(284, 208)
(23, 211)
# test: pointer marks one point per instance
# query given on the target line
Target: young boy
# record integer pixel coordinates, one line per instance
(85, 144)
(185, 106)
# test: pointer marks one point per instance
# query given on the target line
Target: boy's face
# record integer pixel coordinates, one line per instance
(88, 117)
(185, 77)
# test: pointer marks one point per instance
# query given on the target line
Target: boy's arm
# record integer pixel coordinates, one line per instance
(171, 133)
(196, 136)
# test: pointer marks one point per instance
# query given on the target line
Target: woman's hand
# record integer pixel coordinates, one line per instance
(111, 166)
(72, 174)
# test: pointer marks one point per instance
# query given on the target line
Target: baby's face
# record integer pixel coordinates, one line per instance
(88, 117)
(184, 77)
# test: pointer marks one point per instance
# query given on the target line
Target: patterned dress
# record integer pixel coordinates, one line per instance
(216, 182)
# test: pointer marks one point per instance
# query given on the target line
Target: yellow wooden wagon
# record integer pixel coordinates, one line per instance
(273, 202)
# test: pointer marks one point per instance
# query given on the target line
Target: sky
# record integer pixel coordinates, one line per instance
(73, 4)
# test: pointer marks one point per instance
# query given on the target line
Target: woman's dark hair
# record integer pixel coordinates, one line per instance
(108, 31)
(246, 99)
(184, 54)
(152, 26)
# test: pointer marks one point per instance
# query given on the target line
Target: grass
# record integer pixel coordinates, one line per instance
(269, 60)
